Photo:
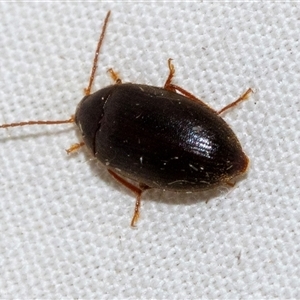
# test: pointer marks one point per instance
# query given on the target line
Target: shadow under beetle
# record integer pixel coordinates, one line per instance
(162, 138)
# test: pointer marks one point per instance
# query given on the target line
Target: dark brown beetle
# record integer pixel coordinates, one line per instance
(155, 136)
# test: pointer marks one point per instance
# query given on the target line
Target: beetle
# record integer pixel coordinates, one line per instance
(155, 137)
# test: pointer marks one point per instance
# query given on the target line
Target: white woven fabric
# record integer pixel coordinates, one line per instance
(64, 222)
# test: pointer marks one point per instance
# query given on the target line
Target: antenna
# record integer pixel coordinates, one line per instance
(87, 90)
(71, 120)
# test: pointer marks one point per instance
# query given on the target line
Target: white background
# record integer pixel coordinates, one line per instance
(64, 222)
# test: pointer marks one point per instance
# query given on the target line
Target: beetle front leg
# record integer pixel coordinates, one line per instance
(74, 147)
(136, 190)
(115, 76)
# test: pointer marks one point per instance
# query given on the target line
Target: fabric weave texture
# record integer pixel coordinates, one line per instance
(65, 222)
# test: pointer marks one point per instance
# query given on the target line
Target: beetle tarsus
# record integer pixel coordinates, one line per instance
(74, 147)
(168, 85)
(114, 75)
(234, 103)
(136, 213)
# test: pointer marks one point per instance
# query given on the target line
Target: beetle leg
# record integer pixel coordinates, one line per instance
(240, 99)
(136, 190)
(172, 87)
(231, 184)
(114, 75)
(168, 85)
(74, 147)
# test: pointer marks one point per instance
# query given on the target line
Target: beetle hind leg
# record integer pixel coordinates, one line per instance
(234, 103)
(136, 190)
